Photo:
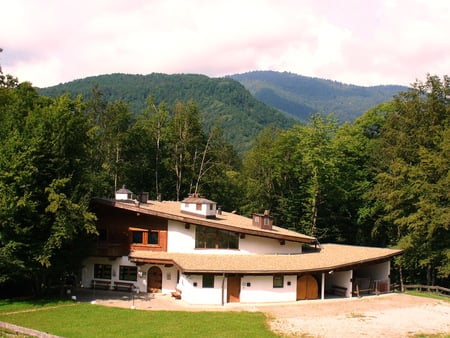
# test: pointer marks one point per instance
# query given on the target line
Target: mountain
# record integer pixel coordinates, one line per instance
(300, 96)
(225, 100)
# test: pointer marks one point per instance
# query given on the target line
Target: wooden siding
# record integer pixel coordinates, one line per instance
(118, 224)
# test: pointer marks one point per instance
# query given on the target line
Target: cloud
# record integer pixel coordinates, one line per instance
(375, 42)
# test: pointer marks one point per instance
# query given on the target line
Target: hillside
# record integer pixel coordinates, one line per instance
(300, 96)
(220, 99)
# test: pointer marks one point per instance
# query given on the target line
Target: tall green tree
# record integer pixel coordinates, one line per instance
(186, 143)
(110, 122)
(44, 185)
(145, 150)
(413, 181)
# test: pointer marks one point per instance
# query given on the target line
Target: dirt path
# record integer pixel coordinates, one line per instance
(392, 315)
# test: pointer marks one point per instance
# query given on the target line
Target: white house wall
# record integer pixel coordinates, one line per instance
(257, 289)
(262, 245)
(254, 289)
(340, 278)
(206, 209)
(194, 293)
(182, 239)
(169, 274)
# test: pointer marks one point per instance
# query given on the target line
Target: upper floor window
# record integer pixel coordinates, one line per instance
(153, 237)
(198, 206)
(137, 237)
(102, 234)
(210, 238)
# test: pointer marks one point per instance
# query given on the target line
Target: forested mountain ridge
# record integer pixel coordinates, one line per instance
(300, 96)
(220, 100)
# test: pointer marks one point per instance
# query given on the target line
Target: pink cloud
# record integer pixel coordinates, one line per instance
(358, 42)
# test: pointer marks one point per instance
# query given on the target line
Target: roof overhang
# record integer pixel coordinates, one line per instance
(329, 257)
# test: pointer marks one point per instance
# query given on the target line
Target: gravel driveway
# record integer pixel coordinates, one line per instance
(390, 315)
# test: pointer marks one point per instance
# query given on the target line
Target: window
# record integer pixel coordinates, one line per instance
(102, 234)
(210, 238)
(153, 237)
(198, 206)
(102, 271)
(208, 281)
(128, 273)
(138, 237)
(278, 281)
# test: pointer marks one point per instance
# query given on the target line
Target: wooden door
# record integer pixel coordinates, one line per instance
(307, 288)
(233, 289)
(154, 280)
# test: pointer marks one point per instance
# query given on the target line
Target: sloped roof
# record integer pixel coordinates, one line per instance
(227, 221)
(328, 257)
(197, 199)
(123, 190)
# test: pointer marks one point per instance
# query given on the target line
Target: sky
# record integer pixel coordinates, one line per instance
(363, 42)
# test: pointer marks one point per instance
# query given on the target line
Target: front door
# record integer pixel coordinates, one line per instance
(154, 280)
(233, 289)
(307, 288)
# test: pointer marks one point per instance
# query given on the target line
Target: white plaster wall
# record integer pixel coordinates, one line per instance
(261, 289)
(261, 245)
(180, 239)
(169, 278)
(169, 274)
(121, 196)
(340, 278)
(199, 295)
(205, 210)
(88, 269)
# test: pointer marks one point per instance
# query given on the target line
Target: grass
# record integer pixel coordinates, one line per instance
(427, 294)
(14, 305)
(87, 320)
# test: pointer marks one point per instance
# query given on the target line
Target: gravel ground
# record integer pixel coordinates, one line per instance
(391, 315)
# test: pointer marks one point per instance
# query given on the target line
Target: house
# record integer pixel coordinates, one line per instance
(195, 251)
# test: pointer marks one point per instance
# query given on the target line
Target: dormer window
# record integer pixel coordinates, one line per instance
(263, 221)
(199, 206)
(124, 194)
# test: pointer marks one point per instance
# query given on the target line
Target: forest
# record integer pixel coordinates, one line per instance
(301, 96)
(382, 180)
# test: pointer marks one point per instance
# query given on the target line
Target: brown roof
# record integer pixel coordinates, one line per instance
(195, 198)
(226, 221)
(329, 257)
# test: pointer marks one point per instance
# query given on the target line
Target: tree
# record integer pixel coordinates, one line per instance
(186, 139)
(110, 122)
(44, 185)
(413, 181)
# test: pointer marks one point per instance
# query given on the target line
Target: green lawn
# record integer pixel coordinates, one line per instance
(427, 294)
(87, 320)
